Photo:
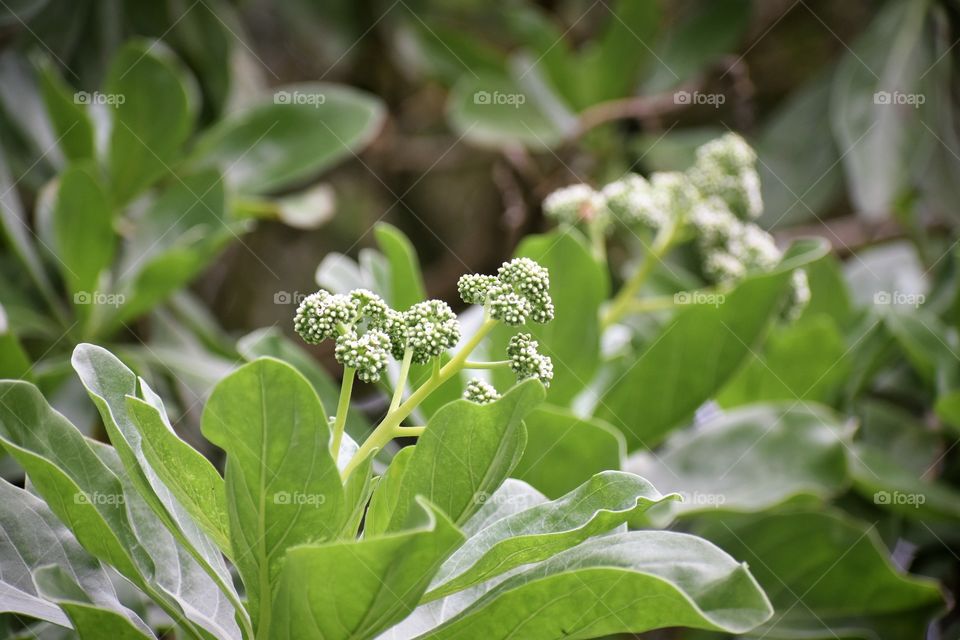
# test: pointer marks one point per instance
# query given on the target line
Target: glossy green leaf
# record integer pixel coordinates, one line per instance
(89, 619)
(606, 586)
(788, 369)
(750, 459)
(283, 486)
(696, 352)
(386, 495)
(84, 240)
(70, 121)
(472, 448)
(386, 577)
(578, 286)
(604, 502)
(33, 538)
(151, 116)
(820, 567)
(296, 134)
(406, 281)
(564, 450)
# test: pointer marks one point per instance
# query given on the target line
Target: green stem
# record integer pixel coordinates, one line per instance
(621, 303)
(496, 364)
(343, 406)
(658, 303)
(387, 429)
(409, 432)
(402, 379)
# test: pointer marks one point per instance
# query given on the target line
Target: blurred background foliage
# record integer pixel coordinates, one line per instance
(412, 132)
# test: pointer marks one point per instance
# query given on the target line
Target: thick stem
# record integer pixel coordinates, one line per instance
(387, 429)
(622, 302)
(408, 432)
(402, 379)
(496, 364)
(343, 406)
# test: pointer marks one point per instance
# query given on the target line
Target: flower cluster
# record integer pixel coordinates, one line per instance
(427, 328)
(367, 353)
(713, 203)
(480, 392)
(526, 361)
(520, 291)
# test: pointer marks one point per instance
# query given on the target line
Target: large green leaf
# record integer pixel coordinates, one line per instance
(33, 537)
(406, 281)
(386, 495)
(84, 240)
(564, 450)
(787, 369)
(151, 116)
(578, 285)
(820, 569)
(89, 619)
(70, 121)
(89, 493)
(604, 502)
(358, 589)
(283, 486)
(750, 459)
(301, 131)
(696, 353)
(464, 454)
(627, 582)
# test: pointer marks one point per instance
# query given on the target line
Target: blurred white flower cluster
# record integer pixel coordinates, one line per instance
(713, 204)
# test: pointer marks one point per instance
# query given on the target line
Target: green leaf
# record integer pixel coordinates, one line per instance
(821, 567)
(33, 537)
(89, 619)
(180, 233)
(356, 491)
(386, 575)
(604, 502)
(578, 286)
(406, 281)
(386, 495)
(472, 447)
(84, 240)
(14, 362)
(192, 480)
(948, 409)
(151, 117)
(70, 121)
(300, 132)
(606, 586)
(787, 369)
(697, 352)
(283, 486)
(564, 450)
(706, 33)
(749, 460)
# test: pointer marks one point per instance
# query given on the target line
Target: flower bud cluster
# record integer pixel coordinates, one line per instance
(726, 168)
(575, 203)
(519, 292)
(526, 361)
(427, 328)
(480, 392)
